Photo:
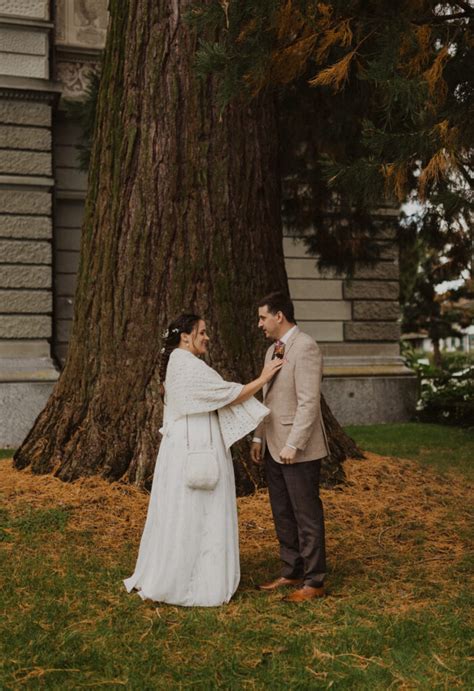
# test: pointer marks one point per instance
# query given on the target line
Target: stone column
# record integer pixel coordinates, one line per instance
(27, 95)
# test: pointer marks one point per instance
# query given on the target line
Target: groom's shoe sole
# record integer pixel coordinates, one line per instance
(280, 583)
(305, 593)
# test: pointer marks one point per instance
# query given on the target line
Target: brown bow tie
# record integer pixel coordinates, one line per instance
(279, 350)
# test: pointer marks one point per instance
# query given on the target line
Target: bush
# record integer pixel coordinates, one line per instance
(446, 393)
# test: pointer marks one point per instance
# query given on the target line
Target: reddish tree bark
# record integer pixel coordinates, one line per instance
(182, 213)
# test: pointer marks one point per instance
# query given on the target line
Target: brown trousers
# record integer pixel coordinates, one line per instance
(299, 519)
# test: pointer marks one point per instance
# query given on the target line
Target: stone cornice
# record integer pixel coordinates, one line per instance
(371, 366)
(25, 181)
(28, 370)
(71, 53)
(29, 89)
(24, 22)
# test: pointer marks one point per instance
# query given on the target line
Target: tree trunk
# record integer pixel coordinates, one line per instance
(182, 213)
(437, 358)
(341, 447)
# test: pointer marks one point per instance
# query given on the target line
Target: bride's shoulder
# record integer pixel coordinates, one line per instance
(182, 354)
(183, 359)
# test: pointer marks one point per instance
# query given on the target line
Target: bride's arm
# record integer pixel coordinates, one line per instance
(267, 373)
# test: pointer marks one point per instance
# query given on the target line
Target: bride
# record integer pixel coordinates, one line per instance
(189, 553)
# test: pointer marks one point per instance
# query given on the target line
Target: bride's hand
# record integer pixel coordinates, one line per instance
(271, 368)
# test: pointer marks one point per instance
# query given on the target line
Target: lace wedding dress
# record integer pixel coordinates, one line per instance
(189, 552)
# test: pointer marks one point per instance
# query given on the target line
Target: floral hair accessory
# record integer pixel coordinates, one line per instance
(167, 332)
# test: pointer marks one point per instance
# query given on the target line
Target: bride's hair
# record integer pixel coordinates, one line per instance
(184, 324)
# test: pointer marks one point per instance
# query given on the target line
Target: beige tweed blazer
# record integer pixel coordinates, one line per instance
(294, 399)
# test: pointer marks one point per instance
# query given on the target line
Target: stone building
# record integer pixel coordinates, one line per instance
(46, 52)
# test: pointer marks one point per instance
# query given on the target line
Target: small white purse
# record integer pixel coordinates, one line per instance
(201, 470)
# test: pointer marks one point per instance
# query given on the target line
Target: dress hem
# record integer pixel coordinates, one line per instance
(144, 597)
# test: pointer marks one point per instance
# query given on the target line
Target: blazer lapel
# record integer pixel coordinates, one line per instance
(288, 345)
(291, 341)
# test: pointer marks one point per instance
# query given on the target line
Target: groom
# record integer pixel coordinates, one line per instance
(292, 442)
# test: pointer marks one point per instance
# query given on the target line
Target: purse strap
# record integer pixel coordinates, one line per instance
(210, 432)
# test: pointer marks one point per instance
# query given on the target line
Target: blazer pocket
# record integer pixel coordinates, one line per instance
(287, 419)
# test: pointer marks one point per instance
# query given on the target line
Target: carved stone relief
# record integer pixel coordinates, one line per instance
(74, 77)
(81, 23)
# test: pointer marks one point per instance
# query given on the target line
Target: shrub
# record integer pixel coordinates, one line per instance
(446, 393)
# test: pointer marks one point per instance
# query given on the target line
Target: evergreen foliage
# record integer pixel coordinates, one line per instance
(376, 104)
(375, 107)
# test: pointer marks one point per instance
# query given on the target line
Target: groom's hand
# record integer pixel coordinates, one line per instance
(287, 455)
(256, 452)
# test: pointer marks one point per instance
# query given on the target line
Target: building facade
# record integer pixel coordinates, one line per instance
(47, 50)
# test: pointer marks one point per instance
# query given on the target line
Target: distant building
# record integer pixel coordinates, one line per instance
(462, 344)
(463, 309)
(46, 52)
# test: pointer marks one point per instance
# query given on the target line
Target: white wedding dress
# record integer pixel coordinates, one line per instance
(189, 552)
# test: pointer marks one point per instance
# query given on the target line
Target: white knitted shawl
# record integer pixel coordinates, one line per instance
(192, 387)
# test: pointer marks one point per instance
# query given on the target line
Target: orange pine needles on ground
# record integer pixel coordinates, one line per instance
(391, 511)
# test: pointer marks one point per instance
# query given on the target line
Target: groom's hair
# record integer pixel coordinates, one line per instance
(279, 302)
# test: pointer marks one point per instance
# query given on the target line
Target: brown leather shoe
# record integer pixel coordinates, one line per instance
(307, 592)
(280, 583)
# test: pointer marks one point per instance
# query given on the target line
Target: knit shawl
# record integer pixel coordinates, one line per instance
(193, 387)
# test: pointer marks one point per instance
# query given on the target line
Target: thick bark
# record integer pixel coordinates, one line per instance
(182, 213)
(341, 447)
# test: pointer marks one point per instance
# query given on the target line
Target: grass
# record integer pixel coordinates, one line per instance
(396, 615)
(6, 453)
(442, 447)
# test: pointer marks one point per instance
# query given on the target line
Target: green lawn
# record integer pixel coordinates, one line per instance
(6, 453)
(396, 615)
(443, 447)
(70, 625)
(75, 629)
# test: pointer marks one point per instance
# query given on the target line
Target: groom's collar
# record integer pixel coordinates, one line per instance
(291, 332)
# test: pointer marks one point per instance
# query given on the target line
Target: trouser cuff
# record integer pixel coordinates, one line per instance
(293, 575)
(315, 582)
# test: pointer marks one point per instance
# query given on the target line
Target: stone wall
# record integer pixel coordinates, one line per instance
(24, 38)
(25, 220)
(27, 98)
(356, 323)
(335, 310)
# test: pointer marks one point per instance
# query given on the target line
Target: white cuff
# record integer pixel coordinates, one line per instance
(290, 446)
(257, 440)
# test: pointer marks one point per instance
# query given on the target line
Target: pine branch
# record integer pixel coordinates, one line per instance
(442, 19)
